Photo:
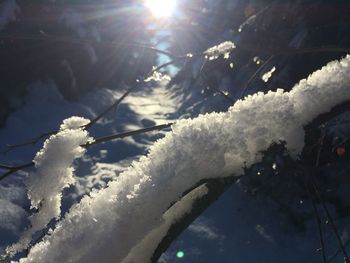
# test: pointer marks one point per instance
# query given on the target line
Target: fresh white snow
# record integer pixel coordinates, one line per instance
(54, 172)
(110, 223)
(222, 49)
(43, 111)
(268, 74)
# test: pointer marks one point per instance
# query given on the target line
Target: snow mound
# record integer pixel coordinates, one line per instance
(110, 224)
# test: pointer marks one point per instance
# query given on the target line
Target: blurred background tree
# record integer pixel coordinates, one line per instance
(79, 45)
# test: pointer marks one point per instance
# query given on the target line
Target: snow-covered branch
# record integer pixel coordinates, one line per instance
(110, 225)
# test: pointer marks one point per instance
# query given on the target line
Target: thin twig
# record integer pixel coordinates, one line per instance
(93, 121)
(127, 134)
(262, 66)
(324, 206)
(33, 141)
(13, 169)
(330, 259)
(227, 97)
(314, 207)
(85, 127)
(319, 228)
(332, 224)
(113, 106)
(6, 167)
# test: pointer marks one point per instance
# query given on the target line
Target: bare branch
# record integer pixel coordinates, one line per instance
(330, 259)
(332, 224)
(276, 51)
(113, 106)
(255, 74)
(226, 96)
(85, 127)
(324, 206)
(127, 134)
(13, 169)
(319, 229)
(10, 147)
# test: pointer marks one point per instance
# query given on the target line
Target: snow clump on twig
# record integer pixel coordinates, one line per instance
(54, 172)
(222, 49)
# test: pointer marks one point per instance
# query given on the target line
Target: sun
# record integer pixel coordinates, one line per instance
(161, 8)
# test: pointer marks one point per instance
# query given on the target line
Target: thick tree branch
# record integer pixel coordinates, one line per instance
(216, 187)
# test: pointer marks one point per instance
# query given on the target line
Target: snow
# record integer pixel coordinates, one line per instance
(314, 95)
(43, 111)
(157, 76)
(8, 10)
(222, 49)
(11, 211)
(268, 74)
(110, 223)
(143, 251)
(205, 230)
(10, 215)
(54, 172)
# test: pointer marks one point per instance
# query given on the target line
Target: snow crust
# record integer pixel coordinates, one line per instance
(222, 49)
(8, 9)
(110, 224)
(54, 172)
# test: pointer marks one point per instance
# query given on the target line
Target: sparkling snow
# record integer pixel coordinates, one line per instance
(222, 49)
(110, 223)
(54, 172)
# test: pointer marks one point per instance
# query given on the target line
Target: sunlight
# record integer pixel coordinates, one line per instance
(161, 8)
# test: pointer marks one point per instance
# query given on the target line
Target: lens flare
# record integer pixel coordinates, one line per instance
(180, 254)
(161, 8)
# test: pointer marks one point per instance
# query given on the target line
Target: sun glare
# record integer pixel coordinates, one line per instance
(161, 8)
